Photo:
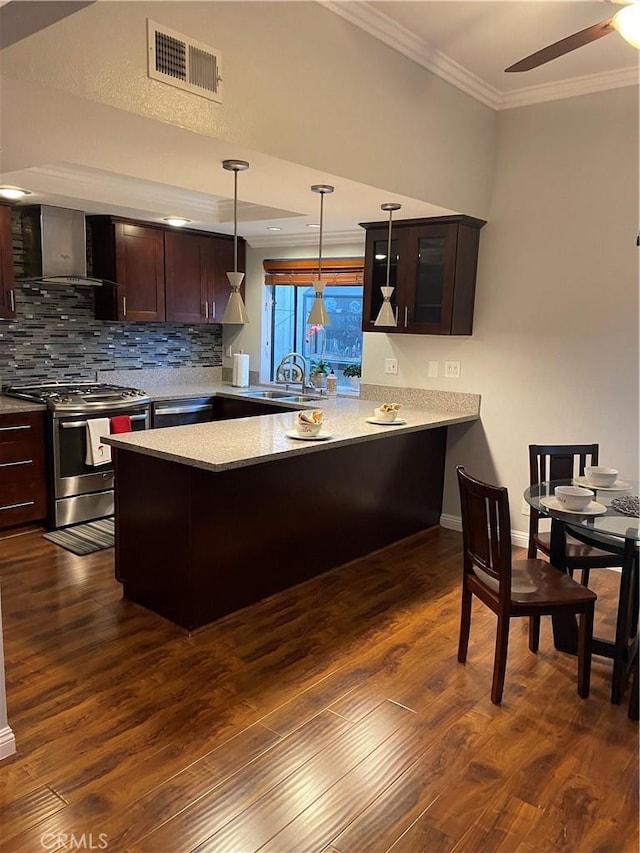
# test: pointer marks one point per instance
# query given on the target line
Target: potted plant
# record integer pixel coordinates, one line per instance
(352, 372)
(318, 373)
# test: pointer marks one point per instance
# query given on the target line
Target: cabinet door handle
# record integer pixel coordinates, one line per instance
(17, 506)
(12, 464)
(213, 310)
(406, 316)
(19, 426)
(396, 315)
(124, 306)
(206, 310)
(12, 300)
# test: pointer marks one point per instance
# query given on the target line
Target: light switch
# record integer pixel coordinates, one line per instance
(433, 369)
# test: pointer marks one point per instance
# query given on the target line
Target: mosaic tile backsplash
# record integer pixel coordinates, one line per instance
(56, 336)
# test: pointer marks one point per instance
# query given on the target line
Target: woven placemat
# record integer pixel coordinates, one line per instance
(628, 505)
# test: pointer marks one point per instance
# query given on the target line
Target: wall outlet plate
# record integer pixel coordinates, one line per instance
(433, 369)
(452, 369)
(391, 365)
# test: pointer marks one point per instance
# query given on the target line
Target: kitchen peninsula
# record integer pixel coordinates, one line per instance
(212, 517)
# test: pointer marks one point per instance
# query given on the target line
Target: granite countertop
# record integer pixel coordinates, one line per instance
(13, 406)
(221, 445)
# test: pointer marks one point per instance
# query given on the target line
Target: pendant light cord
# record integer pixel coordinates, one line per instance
(320, 245)
(235, 220)
(389, 249)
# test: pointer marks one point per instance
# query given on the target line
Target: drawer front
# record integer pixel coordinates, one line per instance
(19, 464)
(28, 426)
(21, 502)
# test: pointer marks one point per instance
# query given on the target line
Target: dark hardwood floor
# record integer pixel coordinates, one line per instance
(331, 717)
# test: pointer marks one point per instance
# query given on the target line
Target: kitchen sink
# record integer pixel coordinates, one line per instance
(288, 396)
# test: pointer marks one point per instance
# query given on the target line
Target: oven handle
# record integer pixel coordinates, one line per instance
(76, 424)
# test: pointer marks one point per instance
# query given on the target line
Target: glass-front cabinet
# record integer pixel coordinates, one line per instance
(432, 270)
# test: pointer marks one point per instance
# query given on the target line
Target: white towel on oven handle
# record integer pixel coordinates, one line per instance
(97, 452)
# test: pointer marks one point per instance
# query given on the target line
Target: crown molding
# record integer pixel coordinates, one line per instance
(571, 88)
(386, 30)
(365, 16)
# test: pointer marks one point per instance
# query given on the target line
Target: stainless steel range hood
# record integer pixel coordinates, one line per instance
(54, 243)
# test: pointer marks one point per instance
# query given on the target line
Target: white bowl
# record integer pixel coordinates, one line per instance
(387, 417)
(598, 476)
(308, 429)
(575, 498)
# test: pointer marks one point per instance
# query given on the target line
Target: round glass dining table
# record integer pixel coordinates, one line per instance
(604, 525)
(609, 526)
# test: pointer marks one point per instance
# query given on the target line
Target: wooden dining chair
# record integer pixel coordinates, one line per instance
(513, 588)
(563, 462)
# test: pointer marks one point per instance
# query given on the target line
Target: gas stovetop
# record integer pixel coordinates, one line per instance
(79, 396)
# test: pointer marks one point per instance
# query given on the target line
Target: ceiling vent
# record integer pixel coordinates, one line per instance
(184, 62)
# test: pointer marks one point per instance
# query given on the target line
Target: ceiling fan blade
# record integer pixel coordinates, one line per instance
(566, 45)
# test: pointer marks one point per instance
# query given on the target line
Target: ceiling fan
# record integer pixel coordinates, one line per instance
(626, 21)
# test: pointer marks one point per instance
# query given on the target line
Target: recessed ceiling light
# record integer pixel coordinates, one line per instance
(13, 193)
(273, 228)
(313, 225)
(176, 221)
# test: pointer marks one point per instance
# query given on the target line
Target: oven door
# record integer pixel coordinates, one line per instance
(71, 475)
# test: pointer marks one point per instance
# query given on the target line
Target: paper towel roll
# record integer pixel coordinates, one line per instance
(240, 374)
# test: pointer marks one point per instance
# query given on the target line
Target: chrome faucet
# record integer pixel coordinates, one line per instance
(289, 371)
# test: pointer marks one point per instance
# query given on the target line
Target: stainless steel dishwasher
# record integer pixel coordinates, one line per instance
(195, 410)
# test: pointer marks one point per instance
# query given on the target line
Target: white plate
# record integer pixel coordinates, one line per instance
(321, 436)
(384, 423)
(594, 508)
(618, 486)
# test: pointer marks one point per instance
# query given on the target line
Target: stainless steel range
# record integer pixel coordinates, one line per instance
(80, 492)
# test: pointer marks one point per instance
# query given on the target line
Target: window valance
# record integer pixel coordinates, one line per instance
(304, 271)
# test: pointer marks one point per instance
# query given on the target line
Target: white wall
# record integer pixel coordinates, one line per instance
(554, 352)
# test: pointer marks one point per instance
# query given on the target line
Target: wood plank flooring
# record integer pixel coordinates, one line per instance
(332, 717)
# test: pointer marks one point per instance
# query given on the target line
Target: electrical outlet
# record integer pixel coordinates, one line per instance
(452, 369)
(391, 365)
(526, 509)
(433, 369)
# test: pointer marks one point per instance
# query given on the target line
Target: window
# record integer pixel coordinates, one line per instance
(340, 341)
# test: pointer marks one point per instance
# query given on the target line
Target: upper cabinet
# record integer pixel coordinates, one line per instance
(160, 274)
(7, 284)
(433, 271)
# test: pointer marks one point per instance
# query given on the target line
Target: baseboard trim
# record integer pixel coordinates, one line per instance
(7, 742)
(519, 538)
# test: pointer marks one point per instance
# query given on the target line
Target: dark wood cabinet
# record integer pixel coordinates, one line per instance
(433, 271)
(132, 256)
(159, 273)
(23, 485)
(189, 263)
(7, 283)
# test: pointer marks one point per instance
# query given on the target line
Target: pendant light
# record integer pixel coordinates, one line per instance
(319, 314)
(235, 312)
(386, 317)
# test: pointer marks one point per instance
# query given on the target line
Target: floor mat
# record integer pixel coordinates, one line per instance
(84, 538)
